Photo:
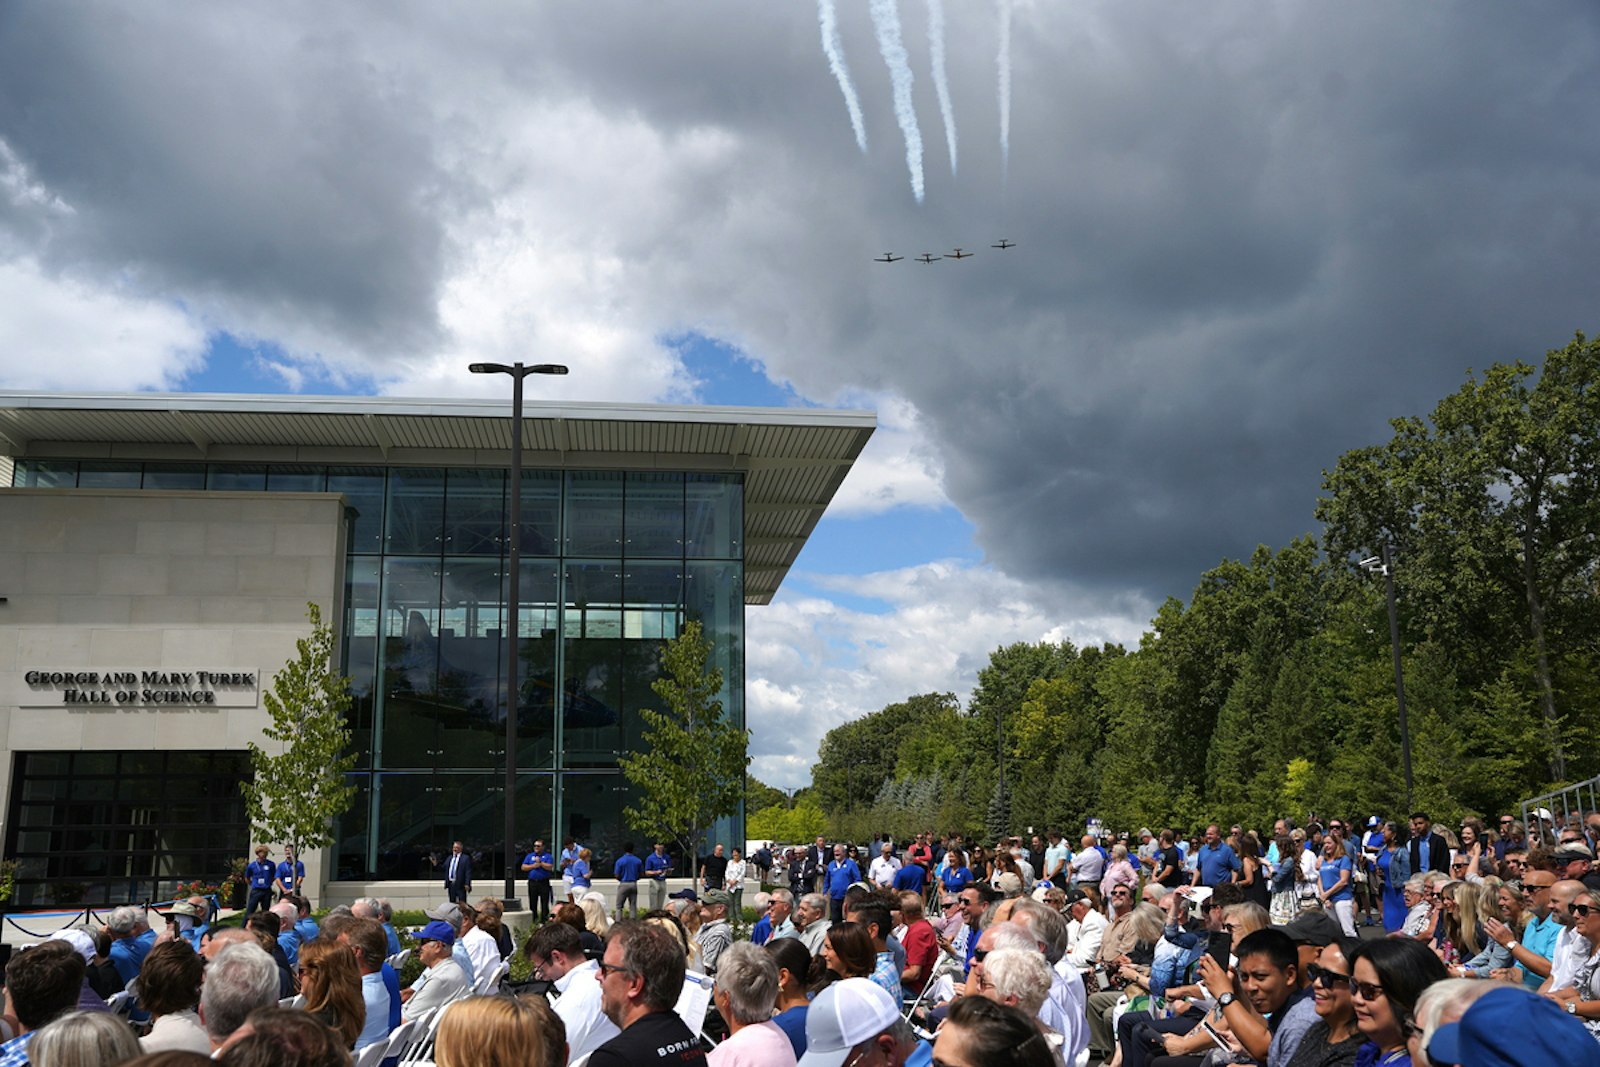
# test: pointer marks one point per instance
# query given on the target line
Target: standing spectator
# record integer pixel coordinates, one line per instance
(1477, 851)
(641, 977)
(714, 869)
(569, 855)
(169, 989)
(761, 860)
(239, 980)
(1429, 851)
(1166, 867)
(883, 867)
(1119, 872)
(626, 870)
(1285, 881)
(657, 866)
(911, 877)
(1336, 894)
(539, 865)
(260, 875)
(457, 874)
(1216, 863)
(580, 876)
(1056, 858)
(816, 865)
(291, 873)
(738, 870)
(1253, 877)
(1088, 865)
(957, 875)
(745, 993)
(1393, 864)
(842, 873)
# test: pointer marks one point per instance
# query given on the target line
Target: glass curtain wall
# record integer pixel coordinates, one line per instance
(613, 563)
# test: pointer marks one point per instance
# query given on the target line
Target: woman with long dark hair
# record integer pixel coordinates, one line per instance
(847, 952)
(1387, 977)
(794, 963)
(980, 1032)
(1253, 875)
(1394, 870)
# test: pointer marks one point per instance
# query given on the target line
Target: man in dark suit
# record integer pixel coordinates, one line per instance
(1429, 852)
(458, 874)
(817, 857)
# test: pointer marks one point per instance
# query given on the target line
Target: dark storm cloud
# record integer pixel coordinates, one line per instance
(1248, 234)
(219, 155)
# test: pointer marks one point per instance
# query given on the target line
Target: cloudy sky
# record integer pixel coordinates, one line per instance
(1247, 234)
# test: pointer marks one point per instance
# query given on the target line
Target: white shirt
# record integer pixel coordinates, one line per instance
(1091, 931)
(177, 1030)
(484, 952)
(882, 870)
(1571, 950)
(437, 987)
(579, 1007)
(734, 878)
(761, 1045)
(1071, 1007)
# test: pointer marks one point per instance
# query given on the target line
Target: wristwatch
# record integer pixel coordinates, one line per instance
(1572, 1007)
(1226, 999)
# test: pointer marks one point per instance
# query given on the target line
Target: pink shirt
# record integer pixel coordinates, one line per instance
(1118, 873)
(761, 1045)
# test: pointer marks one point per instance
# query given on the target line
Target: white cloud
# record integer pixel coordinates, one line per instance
(813, 663)
(900, 467)
(67, 334)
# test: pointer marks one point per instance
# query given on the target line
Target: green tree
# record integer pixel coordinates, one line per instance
(298, 792)
(691, 770)
(758, 794)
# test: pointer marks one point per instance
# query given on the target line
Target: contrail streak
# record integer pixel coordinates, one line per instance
(941, 84)
(1004, 62)
(834, 48)
(886, 21)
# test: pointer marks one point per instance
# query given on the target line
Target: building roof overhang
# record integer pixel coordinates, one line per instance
(793, 459)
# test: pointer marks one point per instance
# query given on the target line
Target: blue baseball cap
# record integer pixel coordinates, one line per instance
(439, 931)
(1511, 1027)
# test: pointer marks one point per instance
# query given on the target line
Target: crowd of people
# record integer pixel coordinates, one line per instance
(1337, 943)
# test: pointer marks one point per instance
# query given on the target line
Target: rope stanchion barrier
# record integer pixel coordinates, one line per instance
(64, 919)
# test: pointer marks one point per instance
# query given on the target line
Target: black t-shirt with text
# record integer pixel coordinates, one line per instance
(657, 1038)
(1169, 857)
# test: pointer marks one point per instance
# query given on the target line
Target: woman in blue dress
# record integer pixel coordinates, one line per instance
(1394, 866)
(956, 876)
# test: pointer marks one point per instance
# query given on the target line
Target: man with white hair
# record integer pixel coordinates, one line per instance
(881, 869)
(746, 988)
(239, 980)
(811, 921)
(288, 937)
(131, 941)
(1066, 1009)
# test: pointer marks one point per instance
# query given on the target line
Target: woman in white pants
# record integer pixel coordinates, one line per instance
(1338, 895)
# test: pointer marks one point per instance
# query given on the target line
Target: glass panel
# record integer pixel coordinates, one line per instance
(714, 516)
(653, 515)
(652, 609)
(363, 493)
(175, 476)
(474, 515)
(594, 513)
(239, 478)
(45, 473)
(592, 654)
(415, 522)
(591, 806)
(409, 665)
(714, 595)
(406, 846)
(536, 662)
(470, 701)
(361, 651)
(109, 475)
(541, 512)
(350, 833)
(297, 479)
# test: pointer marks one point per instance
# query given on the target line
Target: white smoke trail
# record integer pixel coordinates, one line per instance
(1004, 60)
(834, 48)
(886, 21)
(941, 84)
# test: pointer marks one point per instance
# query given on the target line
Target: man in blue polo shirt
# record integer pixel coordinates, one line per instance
(842, 874)
(291, 872)
(657, 866)
(539, 865)
(131, 941)
(1217, 862)
(909, 878)
(260, 876)
(627, 870)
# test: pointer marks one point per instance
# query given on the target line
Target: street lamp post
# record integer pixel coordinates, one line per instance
(517, 371)
(1384, 565)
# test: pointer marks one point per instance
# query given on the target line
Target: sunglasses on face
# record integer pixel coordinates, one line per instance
(978, 954)
(1581, 910)
(1534, 887)
(1326, 978)
(1366, 990)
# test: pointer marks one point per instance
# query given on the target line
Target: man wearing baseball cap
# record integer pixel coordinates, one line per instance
(442, 978)
(1510, 1027)
(714, 935)
(856, 1021)
(1575, 860)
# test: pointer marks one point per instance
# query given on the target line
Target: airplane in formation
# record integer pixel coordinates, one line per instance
(889, 257)
(958, 254)
(926, 258)
(1004, 244)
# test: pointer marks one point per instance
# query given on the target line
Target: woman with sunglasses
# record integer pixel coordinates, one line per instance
(1386, 978)
(1334, 1038)
(1582, 999)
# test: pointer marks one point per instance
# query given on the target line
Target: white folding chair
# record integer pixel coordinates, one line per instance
(372, 1055)
(121, 1004)
(296, 1001)
(491, 979)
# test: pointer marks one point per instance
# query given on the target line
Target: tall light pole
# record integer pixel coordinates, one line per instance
(518, 372)
(1384, 565)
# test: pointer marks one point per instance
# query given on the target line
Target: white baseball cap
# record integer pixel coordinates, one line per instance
(842, 1016)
